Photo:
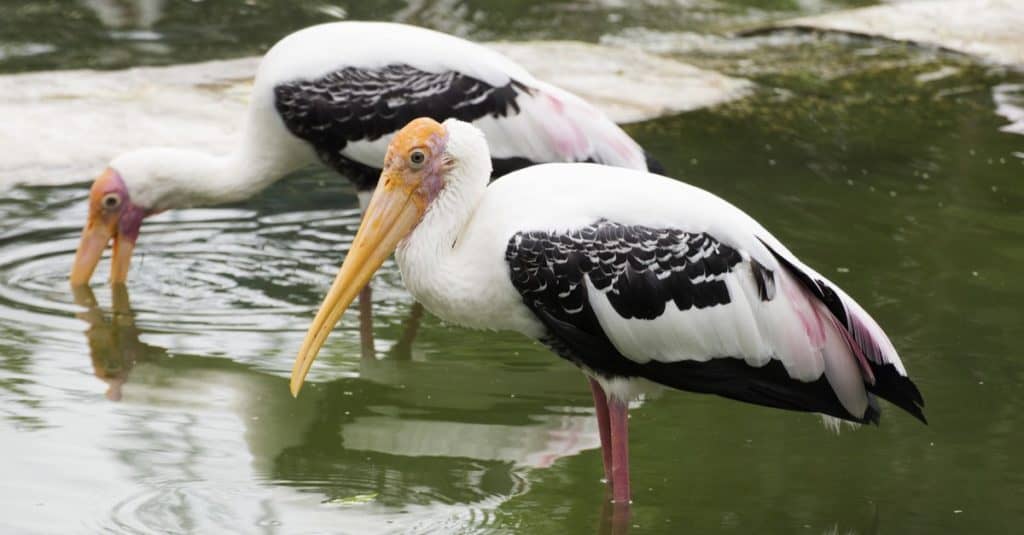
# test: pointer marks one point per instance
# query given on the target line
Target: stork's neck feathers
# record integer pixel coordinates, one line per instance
(465, 184)
(448, 215)
(165, 178)
(436, 267)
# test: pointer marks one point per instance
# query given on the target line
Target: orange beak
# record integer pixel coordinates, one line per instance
(412, 177)
(107, 222)
(95, 237)
(394, 211)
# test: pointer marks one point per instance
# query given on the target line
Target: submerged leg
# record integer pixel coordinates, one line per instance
(366, 346)
(402, 350)
(615, 519)
(618, 416)
(601, 409)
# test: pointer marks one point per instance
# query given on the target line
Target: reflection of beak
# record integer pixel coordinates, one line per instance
(114, 345)
(85, 298)
(394, 211)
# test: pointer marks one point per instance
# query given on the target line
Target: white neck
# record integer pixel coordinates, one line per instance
(454, 263)
(165, 178)
(436, 268)
(449, 213)
(233, 177)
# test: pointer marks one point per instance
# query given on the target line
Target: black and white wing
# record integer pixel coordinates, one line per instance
(348, 116)
(554, 125)
(346, 87)
(355, 104)
(690, 311)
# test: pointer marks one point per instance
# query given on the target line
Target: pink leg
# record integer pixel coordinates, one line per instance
(615, 519)
(618, 416)
(402, 350)
(601, 408)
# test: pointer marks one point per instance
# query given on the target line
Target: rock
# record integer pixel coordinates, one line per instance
(1009, 100)
(992, 30)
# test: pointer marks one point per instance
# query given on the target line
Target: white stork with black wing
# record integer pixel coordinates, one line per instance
(638, 279)
(336, 93)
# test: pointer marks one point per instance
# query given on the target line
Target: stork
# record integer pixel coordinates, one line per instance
(641, 281)
(336, 93)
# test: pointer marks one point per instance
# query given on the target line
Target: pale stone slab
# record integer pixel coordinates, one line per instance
(989, 29)
(63, 126)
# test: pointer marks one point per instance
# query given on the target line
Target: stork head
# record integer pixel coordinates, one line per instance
(135, 185)
(113, 218)
(421, 163)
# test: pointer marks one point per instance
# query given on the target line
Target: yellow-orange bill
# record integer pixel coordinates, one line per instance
(393, 212)
(95, 237)
(108, 206)
(121, 259)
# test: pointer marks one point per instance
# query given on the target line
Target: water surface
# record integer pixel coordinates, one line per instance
(163, 406)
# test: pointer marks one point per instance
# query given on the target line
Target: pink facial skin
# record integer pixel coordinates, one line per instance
(433, 180)
(112, 218)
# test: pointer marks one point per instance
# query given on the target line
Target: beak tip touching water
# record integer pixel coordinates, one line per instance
(295, 385)
(112, 218)
(90, 250)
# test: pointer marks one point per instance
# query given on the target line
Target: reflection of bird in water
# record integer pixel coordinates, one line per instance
(127, 14)
(335, 93)
(113, 338)
(131, 23)
(388, 415)
(640, 280)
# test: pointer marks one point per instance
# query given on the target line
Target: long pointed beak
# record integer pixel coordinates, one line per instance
(95, 237)
(394, 211)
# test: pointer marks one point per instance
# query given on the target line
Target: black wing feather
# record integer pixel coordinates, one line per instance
(642, 269)
(353, 104)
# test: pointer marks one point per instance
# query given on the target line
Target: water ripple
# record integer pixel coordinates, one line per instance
(240, 281)
(225, 268)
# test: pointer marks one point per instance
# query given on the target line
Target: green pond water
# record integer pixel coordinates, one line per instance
(163, 407)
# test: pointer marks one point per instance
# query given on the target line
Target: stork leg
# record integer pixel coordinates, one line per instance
(366, 345)
(601, 409)
(618, 416)
(402, 350)
(615, 519)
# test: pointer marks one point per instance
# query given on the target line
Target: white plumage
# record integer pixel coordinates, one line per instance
(317, 50)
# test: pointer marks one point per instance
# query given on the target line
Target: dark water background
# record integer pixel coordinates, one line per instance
(164, 408)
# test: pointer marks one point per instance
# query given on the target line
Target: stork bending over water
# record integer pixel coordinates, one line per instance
(638, 279)
(336, 93)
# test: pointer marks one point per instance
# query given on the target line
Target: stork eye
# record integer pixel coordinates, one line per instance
(111, 201)
(416, 158)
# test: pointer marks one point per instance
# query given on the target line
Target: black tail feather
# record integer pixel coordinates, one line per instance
(889, 384)
(769, 385)
(898, 390)
(653, 165)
